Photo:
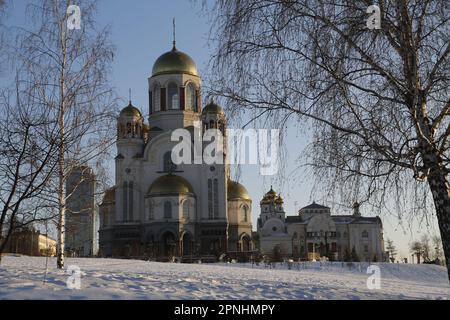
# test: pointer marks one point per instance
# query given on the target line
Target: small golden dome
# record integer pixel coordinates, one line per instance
(270, 196)
(131, 111)
(174, 61)
(212, 108)
(237, 191)
(170, 184)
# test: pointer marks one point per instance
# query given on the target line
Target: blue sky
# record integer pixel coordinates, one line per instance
(141, 31)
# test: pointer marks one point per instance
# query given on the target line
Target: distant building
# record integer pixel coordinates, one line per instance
(315, 233)
(30, 242)
(81, 236)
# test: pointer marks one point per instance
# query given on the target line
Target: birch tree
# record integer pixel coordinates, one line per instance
(27, 161)
(376, 100)
(69, 65)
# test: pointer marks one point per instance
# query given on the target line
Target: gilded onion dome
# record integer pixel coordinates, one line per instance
(237, 191)
(269, 197)
(131, 111)
(174, 61)
(170, 184)
(212, 108)
(279, 200)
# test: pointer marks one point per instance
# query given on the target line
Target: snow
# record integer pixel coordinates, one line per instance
(22, 277)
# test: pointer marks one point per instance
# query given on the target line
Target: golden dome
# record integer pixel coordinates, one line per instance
(130, 111)
(270, 196)
(170, 184)
(237, 191)
(279, 200)
(212, 108)
(174, 61)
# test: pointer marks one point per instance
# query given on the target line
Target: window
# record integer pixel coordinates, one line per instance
(245, 213)
(365, 234)
(172, 95)
(210, 200)
(168, 165)
(366, 248)
(125, 200)
(295, 235)
(167, 210)
(216, 199)
(151, 210)
(190, 97)
(130, 201)
(156, 98)
(186, 209)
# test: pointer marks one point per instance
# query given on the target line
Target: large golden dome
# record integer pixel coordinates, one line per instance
(170, 184)
(237, 191)
(174, 61)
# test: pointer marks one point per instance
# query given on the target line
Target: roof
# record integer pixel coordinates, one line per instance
(237, 191)
(340, 219)
(295, 219)
(130, 111)
(347, 219)
(315, 206)
(271, 196)
(174, 61)
(170, 184)
(212, 108)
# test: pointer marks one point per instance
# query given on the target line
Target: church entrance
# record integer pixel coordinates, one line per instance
(187, 244)
(246, 243)
(169, 244)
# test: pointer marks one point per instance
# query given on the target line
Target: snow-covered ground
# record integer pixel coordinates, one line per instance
(23, 278)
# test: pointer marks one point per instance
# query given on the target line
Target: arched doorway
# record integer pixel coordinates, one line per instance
(246, 243)
(168, 244)
(187, 244)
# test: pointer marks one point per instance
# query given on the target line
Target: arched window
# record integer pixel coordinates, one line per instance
(156, 98)
(216, 199)
(365, 234)
(168, 165)
(151, 210)
(190, 97)
(245, 213)
(186, 209)
(172, 95)
(167, 210)
(210, 200)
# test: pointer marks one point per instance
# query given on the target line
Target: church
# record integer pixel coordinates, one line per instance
(161, 210)
(314, 233)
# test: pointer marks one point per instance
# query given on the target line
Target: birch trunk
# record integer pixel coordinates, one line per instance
(440, 190)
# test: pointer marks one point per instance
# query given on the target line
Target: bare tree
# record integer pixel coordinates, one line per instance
(69, 69)
(376, 101)
(417, 250)
(426, 249)
(392, 250)
(27, 161)
(437, 245)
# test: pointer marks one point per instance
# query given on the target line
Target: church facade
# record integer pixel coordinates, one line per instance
(162, 210)
(315, 233)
